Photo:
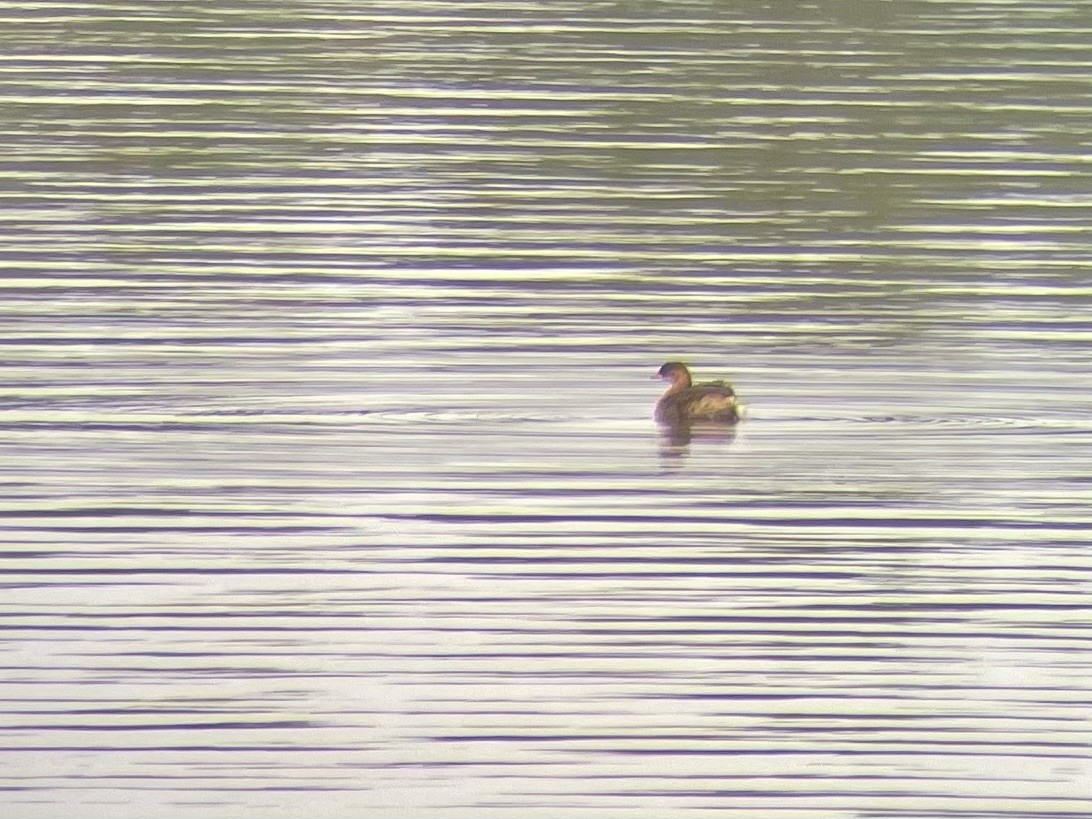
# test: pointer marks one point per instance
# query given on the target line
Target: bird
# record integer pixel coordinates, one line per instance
(685, 401)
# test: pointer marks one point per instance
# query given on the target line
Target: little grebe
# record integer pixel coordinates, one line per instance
(686, 401)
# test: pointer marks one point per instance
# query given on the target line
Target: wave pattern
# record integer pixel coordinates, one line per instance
(329, 484)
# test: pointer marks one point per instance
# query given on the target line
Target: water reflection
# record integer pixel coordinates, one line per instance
(676, 438)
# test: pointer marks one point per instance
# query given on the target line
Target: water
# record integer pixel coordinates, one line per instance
(329, 481)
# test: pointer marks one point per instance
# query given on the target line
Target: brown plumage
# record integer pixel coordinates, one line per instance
(686, 401)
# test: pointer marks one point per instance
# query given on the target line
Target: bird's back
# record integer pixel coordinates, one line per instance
(714, 401)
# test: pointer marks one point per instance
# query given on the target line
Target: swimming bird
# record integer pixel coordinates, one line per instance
(686, 401)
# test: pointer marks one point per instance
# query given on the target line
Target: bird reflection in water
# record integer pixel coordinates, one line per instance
(676, 438)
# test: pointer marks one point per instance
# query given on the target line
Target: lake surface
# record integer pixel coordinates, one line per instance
(330, 486)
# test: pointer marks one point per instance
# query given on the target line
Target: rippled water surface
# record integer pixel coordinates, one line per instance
(330, 487)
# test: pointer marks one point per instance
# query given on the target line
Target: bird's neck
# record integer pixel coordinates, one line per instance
(680, 382)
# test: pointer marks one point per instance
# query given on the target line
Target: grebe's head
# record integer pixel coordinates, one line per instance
(675, 372)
